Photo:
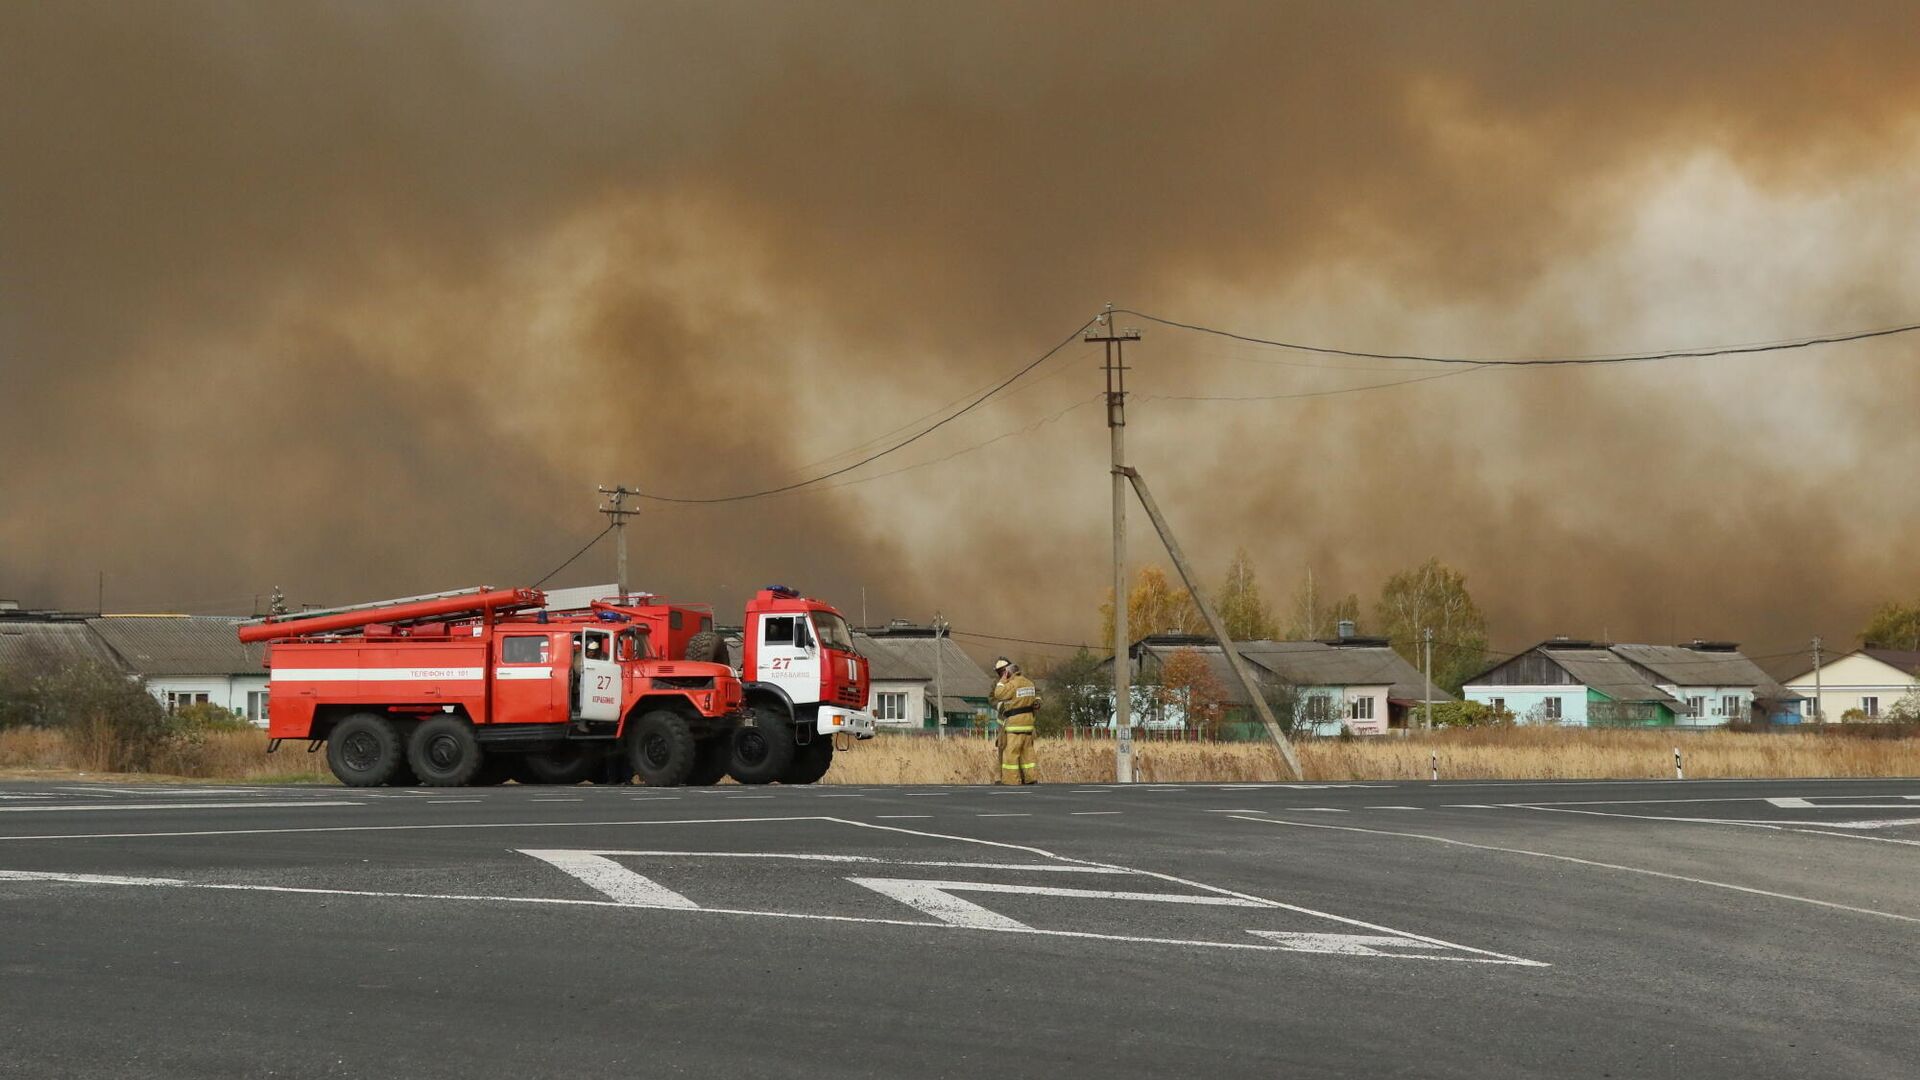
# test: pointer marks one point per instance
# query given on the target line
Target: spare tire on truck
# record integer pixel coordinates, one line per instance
(661, 749)
(562, 765)
(708, 647)
(364, 750)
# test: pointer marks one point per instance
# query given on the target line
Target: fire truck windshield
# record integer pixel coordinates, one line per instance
(832, 631)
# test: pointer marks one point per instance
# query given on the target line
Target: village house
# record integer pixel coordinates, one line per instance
(182, 659)
(1599, 684)
(1867, 682)
(1350, 683)
(905, 661)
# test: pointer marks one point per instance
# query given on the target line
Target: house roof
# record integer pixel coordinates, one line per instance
(1907, 660)
(1683, 666)
(1308, 663)
(911, 659)
(178, 644)
(31, 643)
(1611, 674)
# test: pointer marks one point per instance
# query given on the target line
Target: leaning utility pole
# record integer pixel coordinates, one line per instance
(939, 675)
(1234, 659)
(1116, 369)
(1428, 634)
(1819, 701)
(617, 521)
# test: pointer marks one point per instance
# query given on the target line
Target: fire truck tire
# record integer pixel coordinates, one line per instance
(444, 753)
(710, 761)
(661, 749)
(564, 766)
(364, 750)
(707, 647)
(811, 762)
(763, 751)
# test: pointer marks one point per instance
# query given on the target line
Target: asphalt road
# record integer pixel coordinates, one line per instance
(1679, 929)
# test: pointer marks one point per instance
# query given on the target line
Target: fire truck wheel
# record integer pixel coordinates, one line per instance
(811, 762)
(707, 647)
(444, 753)
(363, 750)
(710, 761)
(568, 765)
(661, 749)
(762, 751)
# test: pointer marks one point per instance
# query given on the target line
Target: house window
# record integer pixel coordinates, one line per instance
(1498, 704)
(890, 706)
(1319, 708)
(1730, 706)
(1551, 708)
(257, 706)
(1360, 708)
(1696, 706)
(1868, 705)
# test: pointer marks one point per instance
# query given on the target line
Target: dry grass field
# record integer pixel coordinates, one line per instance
(1474, 754)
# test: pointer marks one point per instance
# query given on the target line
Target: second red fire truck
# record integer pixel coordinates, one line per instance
(484, 685)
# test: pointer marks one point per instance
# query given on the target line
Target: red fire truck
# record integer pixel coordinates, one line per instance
(484, 685)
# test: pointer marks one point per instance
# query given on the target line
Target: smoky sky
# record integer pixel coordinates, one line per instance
(365, 300)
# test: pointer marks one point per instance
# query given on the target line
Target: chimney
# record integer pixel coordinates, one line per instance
(1345, 629)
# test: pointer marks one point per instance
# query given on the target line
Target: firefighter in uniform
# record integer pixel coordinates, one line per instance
(1016, 699)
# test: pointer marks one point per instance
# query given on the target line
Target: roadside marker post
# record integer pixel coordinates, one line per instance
(1678, 772)
(1435, 762)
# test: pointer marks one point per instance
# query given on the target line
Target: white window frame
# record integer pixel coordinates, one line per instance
(1870, 706)
(1550, 708)
(259, 706)
(1360, 708)
(890, 705)
(1730, 705)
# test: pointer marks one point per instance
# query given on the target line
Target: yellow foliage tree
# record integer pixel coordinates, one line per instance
(1155, 605)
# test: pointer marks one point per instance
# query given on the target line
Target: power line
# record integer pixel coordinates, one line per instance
(1549, 361)
(901, 445)
(583, 550)
(1318, 393)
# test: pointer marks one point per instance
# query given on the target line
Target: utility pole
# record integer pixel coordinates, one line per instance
(1115, 367)
(617, 520)
(1248, 684)
(1819, 701)
(939, 675)
(1428, 634)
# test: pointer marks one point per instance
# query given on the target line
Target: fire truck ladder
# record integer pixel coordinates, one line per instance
(483, 600)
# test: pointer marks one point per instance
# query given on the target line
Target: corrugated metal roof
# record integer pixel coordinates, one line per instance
(1682, 666)
(34, 643)
(911, 659)
(178, 644)
(1312, 663)
(1907, 660)
(1611, 674)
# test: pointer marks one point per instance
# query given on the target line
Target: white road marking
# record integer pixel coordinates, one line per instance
(613, 879)
(1003, 815)
(903, 815)
(1393, 808)
(1470, 806)
(1479, 955)
(749, 796)
(787, 856)
(1342, 944)
(1234, 811)
(1092, 813)
(443, 802)
(1314, 809)
(939, 794)
(936, 899)
(1790, 803)
(554, 800)
(1751, 823)
(100, 879)
(1602, 865)
(57, 808)
(842, 796)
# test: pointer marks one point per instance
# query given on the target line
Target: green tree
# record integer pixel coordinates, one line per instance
(1155, 605)
(1242, 608)
(1434, 596)
(1076, 692)
(1313, 614)
(1894, 626)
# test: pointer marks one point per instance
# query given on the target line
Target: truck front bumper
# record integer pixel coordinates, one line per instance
(833, 720)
